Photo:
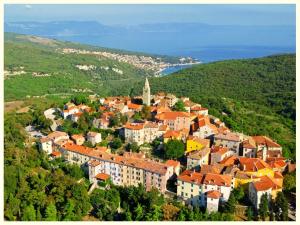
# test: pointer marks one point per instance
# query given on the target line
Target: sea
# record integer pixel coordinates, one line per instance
(203, 54)
(213, 54)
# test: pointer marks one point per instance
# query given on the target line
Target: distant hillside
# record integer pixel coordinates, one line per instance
(36, 66)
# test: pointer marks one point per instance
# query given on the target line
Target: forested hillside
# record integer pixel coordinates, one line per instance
(36, 66)
(255, 96)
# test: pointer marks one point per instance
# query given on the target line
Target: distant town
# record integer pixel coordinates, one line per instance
(142, 62)
(214, 162)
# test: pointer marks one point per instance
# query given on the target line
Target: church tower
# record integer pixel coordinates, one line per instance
(146, 93)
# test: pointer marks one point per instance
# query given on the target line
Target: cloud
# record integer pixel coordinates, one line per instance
(28, 6)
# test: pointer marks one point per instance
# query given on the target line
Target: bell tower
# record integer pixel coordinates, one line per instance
(146, 93)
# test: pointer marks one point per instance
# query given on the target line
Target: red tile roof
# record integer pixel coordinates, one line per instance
(278, 175)
(172, 163)
(220, 150)
(266, 183)
(77, 136)
(57, 134)
(213, 194)
(134, 126)
(231, 160)
(191, 177)
(209, 178)
(145, 164)
(56, 154)
(102, 176)
(277, 164)
(172, 133)
(228, 136)
(250, 144)
(253, 164)
(263, 140)
(171, 115)
(134, 106)
(45, 139)
(217, 179)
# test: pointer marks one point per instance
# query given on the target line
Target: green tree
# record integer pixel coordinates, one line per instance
(146, 113)
(79, 99)
(139, 213)
(263, 210)
(289, 182)
(250, 213)
(230, 204)
(128, 216)
(174, 149)
(69, 211)
(51, 213)
(239, 193)
(114, 121)
(116, 143)
(29, 213)
(133, 147)
(281, 207)
(179, 106)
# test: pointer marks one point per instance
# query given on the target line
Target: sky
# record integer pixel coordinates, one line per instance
(255, 14)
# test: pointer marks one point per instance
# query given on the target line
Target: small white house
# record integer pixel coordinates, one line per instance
(94, 137)
(45, 145)
(212, 201)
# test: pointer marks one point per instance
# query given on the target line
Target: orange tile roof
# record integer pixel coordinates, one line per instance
(101, 148)
(102, 176)
(278, 175)
(172, 133)
(77, 148)
(253, 164)
(250, 144)
(163, 127)
(277, 164)
(220, 150)
(231, 160)
(228, 136)
(56, 154)
(134, 126)
(198, 108)
(199, 154)
(134, 106)
(78, 114)
(145, 164)
(45, 139)
(172, 163)
(149, 124)
(213, 194)
(77, 136)
(56, 134)
(266, 183)
(171, 115)
(217, 179)
(191, 177)
(263, 140)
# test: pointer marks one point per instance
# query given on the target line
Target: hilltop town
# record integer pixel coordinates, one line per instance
(165, 142)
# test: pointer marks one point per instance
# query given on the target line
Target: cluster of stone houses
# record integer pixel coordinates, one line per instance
(218, 159)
